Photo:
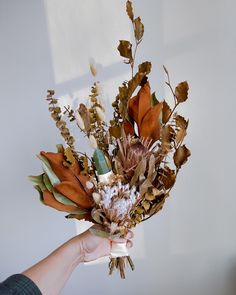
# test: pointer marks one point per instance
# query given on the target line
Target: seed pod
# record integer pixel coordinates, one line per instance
(100, 114)
(96, 198)
(93, 142)
(79, 120)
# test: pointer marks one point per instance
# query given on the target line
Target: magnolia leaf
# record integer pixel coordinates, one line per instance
(154, 99)
(62, 199)
(181, 156)
(79, 211)
(140, 170)
(69, 158)
(181, 122)
(166, 112)
(37, 187)
(129, 10)
(38, 180)
(138, 29)
(48, 170)
(125, 49)
(47, 183)
(181, 92)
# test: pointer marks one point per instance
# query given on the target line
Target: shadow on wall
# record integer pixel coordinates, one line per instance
(231, 279)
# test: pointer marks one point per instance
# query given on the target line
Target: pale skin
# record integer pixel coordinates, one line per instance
(51, 273)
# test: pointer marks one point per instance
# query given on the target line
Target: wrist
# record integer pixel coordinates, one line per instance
(75, 251)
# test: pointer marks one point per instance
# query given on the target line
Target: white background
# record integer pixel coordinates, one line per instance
(190, 247)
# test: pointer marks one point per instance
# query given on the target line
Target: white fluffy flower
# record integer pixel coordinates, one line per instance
(119, 198)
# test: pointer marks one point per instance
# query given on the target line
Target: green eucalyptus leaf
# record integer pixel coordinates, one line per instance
(154, 99)
(79, 211)
(99, 232)
(38, 180)
(62, 199)
(47, 183)
(37, 187)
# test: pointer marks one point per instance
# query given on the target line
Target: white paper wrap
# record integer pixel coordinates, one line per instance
(117, 250)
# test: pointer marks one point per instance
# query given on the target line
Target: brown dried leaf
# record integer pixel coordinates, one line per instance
(84, 113)
(140, 170)
(181, 91)
(125, 49)
(69, 158)
(146, 205)
(166, 111)
(157, 207)
(180, 135)
(129, 10)
(151, 167)
(138, 29)
(143, 188)
(97, 215)
(181, 156)
(167, 137)
(181, 122)
(115, 131)
(145, 67)
(149, 196)
(139, 210)
(167, 177)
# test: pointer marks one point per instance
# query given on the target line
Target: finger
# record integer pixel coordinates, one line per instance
(129, 244)
(129, 235)
(119, 240)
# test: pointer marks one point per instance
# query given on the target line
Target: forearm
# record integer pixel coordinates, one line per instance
(51, 274)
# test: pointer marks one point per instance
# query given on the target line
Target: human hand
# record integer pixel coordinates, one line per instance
(92, 247)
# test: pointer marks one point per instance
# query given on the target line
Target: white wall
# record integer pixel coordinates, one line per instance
(191, 245)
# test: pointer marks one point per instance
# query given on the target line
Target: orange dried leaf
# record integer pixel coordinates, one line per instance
(151, 126)
(50, 201)
(75, 193)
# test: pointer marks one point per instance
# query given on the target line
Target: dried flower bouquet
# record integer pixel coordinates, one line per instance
(136, 159)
